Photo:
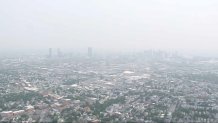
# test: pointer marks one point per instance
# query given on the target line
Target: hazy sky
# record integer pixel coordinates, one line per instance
(110, 24)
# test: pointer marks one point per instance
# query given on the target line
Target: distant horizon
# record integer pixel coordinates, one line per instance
(84, 50)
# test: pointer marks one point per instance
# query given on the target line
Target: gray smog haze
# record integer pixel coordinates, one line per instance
(109, 24)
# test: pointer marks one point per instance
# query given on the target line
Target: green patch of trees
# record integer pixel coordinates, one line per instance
(101, 107)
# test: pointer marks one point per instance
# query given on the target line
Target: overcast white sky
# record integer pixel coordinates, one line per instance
(111, 24)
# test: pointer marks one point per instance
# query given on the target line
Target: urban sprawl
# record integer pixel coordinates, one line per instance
(147, 87)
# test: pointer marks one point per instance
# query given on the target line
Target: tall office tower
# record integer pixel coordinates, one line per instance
(90, 52)
(50, 53)
(59, 54)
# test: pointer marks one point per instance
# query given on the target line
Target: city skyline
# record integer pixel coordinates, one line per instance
(109, 61)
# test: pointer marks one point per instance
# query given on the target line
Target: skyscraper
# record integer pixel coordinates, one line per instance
(59, 54)
(89, 51)
(50, 53)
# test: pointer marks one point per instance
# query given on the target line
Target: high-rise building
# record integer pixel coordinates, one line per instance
(59, 54)
(50, 53)
(89, 51)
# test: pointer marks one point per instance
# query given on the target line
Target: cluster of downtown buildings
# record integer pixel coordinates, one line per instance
(145, 87)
